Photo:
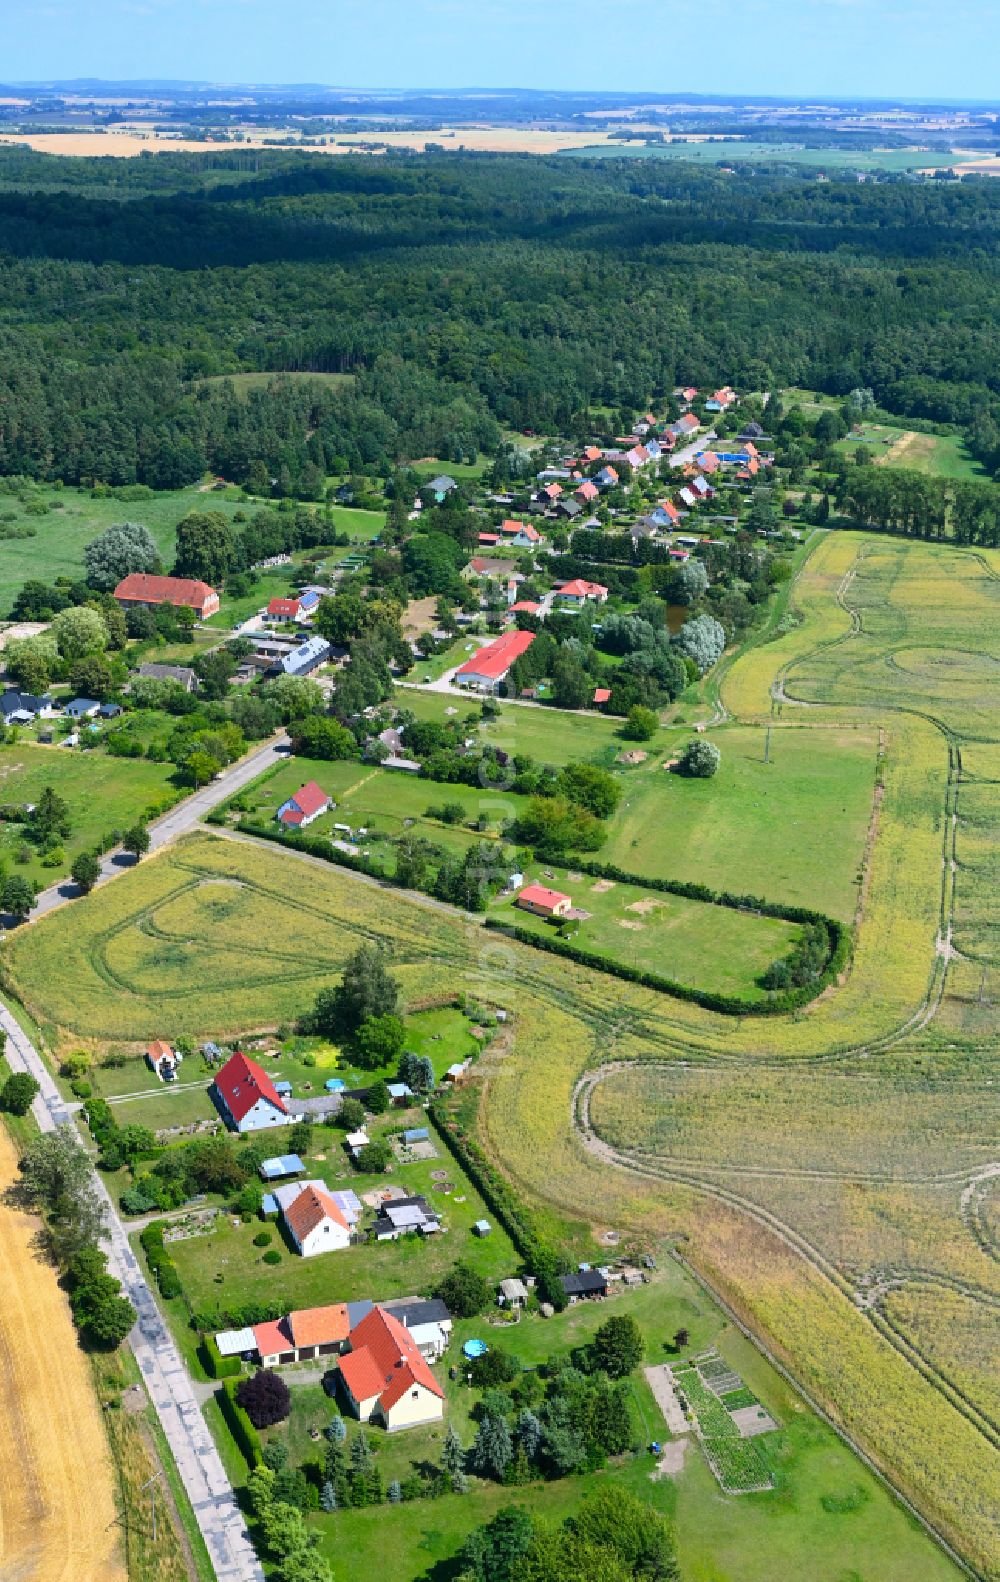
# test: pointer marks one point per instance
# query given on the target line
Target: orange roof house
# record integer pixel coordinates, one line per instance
(386, 1377)
(316, 1223)
(543, 902)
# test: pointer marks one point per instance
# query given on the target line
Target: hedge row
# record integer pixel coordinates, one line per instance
(242, 1316)
(724, 1004)
(239, 1424)
(778, 1004)
(161, 1265)
(215, 1364)
(543, 1260)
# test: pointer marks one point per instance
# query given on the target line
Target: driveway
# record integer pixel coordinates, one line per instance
(170, 1389)
(680, 458)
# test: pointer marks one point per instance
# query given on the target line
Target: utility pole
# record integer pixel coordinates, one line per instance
(767, 745)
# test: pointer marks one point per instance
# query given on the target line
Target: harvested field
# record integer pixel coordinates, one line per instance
(57, 1510)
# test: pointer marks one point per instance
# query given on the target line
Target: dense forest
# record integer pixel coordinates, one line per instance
(460, 294)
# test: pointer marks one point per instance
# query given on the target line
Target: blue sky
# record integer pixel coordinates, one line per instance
(875, 48)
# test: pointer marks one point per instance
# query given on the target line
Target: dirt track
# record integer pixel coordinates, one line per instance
(56, 1501)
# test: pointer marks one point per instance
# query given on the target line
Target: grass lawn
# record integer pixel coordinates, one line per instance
(429, 467)
(226, 1266)
(171, 1104)
(941, 455)
(753, 826)
(434, 666)
(551, 736)
(274, 584)
(705, 947)
(103, 794)
(362, 525)
(74, 519)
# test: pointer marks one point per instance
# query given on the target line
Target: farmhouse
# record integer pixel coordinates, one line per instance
(163, 1060)
(247, 1097)
(488, 668)
(577, 592)
(543, 902)
(315, 1222)
(385, 1376)
(306, 805)
(142, 590)
(83, 708)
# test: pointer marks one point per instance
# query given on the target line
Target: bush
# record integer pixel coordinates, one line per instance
(273, 1256)
(464, 1291)
(17, 1093)
(265, 1397)
(240, 1425)
(215, 1364)
(263, 1238)
(373, 1159)
(700, 759)
(641, 724)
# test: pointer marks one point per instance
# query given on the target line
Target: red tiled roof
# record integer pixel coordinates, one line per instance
(140, 585)
(272, 1337)
(384, 1360)
(310, 798)
(242, 1082)
(320, 1326)
(540, 895)
(309, 1209)
(511, 528)
(489, 538)
(591, 453)
(158, 1048)
(496, 658)
(588, 490)
(283, 607)
(527, 606)
(602, 694)
(579, 589)
(553, 490)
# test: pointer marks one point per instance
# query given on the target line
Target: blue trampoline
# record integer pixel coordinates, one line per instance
(475, 1348)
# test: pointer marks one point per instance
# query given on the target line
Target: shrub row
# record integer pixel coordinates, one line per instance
(543, 1260)
(243, 1316)
(161, 1265)
(724, 1004)
(239, 1424)
(215, 1364)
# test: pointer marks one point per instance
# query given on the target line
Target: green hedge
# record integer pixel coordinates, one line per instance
(161, 1265)
(215, 1364)
(542, 1259)
(239, 1424)
(724, 1004)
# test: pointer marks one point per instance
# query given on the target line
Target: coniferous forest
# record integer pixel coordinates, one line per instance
(461, 294)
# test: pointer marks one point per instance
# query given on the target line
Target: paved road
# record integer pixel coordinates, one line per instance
(182, 818)
(680, 458)
(171, 1391)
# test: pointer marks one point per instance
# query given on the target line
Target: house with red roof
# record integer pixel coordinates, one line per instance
(591, 453)
(665, 514)
(637, 457)
(688, 393)
(708, 461)
(247, 1097)
(140, 589)
(606, 478)
(543, 902)
(307, 804)
(163, 1059)
(587, 491)
(315, 1222)
(578, 592)
(688, 424)
(489, 538)
(386, 1378)
(602, 695)
(488, 668)
(284, 610)
(551, 492)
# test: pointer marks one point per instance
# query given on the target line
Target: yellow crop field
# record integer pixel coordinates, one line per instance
(57, 1508)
